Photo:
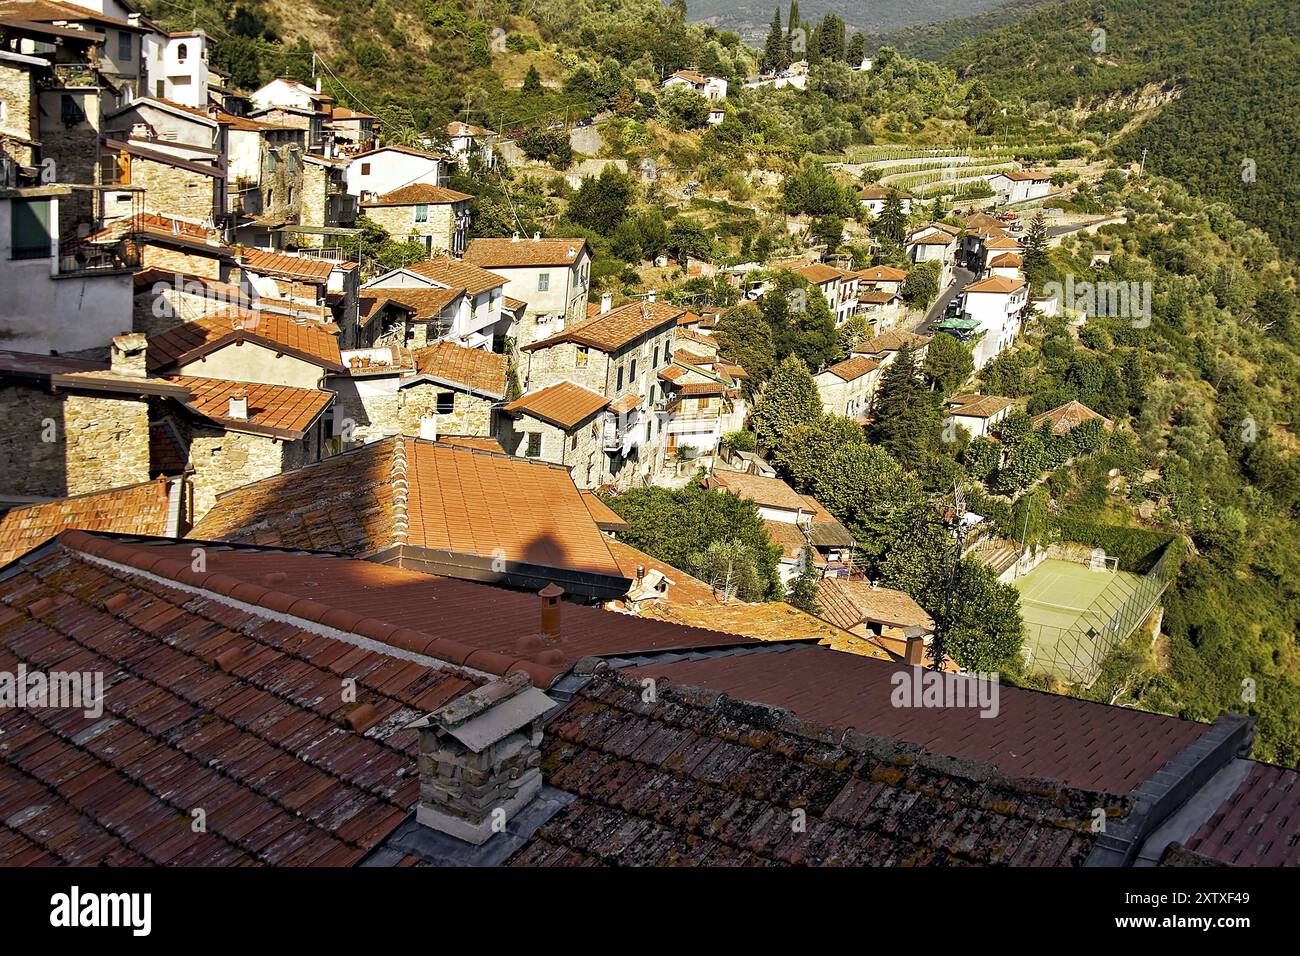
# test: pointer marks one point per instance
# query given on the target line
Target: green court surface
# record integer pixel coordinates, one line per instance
(1059, 595)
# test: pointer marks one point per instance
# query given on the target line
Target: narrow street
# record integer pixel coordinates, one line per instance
(964, 277)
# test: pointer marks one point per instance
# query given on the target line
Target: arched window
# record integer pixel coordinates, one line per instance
(182, 52)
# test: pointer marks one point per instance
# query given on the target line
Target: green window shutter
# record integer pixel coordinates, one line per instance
(30, 228)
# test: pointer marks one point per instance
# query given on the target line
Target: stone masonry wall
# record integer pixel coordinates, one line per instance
(376, 416)
(69, 444)
(173, 191)
(224, 460)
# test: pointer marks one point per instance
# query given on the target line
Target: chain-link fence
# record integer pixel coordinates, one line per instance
(1075, 653)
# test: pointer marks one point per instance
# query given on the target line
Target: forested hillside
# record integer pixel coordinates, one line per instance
(1230, 70)
(934, 40)
(749, 18)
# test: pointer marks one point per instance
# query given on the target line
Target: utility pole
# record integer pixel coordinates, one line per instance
(1142, 165)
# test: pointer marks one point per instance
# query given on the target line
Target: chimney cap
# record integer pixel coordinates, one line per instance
(551, 590)
(481, 717)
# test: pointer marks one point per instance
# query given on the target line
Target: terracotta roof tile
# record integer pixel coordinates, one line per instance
(1076, 742)
(523, 253)
(853, 367)
(419, 194)
(293, 267)
(134, 509)
(1067, 417)
(455, 499)
(301, 338)
(698, 779)
(969, 405)
(277, 410)
(771, 492)
(891, 341)
(564, 404)
(425, 304)
(1000, 285)
(456, 274)
(1258, 824)
(607, 520)
(208, 707)
(850, 602)
(477, 369)
(882, 274)
(612, 330)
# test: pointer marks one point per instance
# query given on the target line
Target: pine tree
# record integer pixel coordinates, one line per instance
(909, 420)
(891, 223)
(1035, 257)
(776, 49)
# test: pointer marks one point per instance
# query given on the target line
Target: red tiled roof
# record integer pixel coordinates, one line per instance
(772, 492)
(1000, 285)
(1258, 824)
(969, 405)
(31, 368)
(237, 711)
(612, 330)
(697, 779)
(1067, 417)
(425, 304)
(477, 369)
(523, 253)
(1008, 260)
(882, 274)
(1036, 734)
(303, 339)
(849, 603)
(456, 274)
(606, 520)
(818, 273)
(279, 411)
(419, 194)
(454, 499)
(853, 367)
(293, 267)
(564, 404)
(430, 614)
(891, 341)
(133, 509)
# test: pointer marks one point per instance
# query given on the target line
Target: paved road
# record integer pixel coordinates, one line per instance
(1054, 232)
(964, 278)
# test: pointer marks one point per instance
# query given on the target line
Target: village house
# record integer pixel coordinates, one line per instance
(992, 247)
(882, 279)
(564, 424)
(703, 401)
(327, 289)
(979, 414)
(384, 169)
(1065, 418)
(354, 131)
(935, 245)
(847, 388)
(712, 88)
(45, 274)
(795, 522)
(434, 216)
(172, 186)
(431, 392)
(996, 306)
(885, 346)
(169, 242)
(1019, 186)
(448, 299)
(617, 354)
(1007, 265)
(873, 199)
(288, 102)
(467, 140)
(552, 276)
(81, 426)
(840, 288)
(888, 618)
(183, 131)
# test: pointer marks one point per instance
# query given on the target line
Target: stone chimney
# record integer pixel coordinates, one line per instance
(238, 407)
(650, 296)
(551, 595)
(429, 428)
(914, 656)
(606, 301)
(128, 355)
(480, 758)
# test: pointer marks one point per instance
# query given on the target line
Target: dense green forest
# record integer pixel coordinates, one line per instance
(749, 18)
(1232, 67)
(933, 40)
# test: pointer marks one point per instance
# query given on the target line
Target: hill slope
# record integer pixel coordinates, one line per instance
(750, 18)
(1230, 68)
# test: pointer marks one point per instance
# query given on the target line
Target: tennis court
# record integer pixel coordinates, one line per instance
(1061, 596)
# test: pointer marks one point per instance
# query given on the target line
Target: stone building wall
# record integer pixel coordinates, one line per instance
(580, 449)
(374, 414)
(223, 460)
(70, 444)
(173, 191)
(559, 363)
(399, 222)
(16, 94)
(311, 206)
(178, 260)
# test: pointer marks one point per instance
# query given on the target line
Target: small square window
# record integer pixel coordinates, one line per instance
(581, 357)
(365, 169)
(543, 282)
(421, 213)
(534, 448)
(446, 403)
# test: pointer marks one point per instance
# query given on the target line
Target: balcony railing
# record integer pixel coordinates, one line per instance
(82, 258)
